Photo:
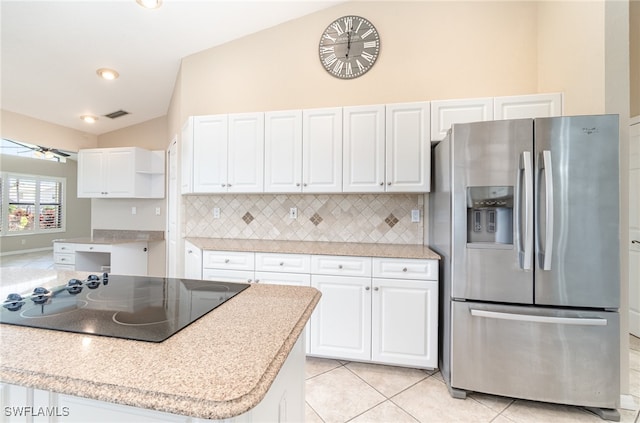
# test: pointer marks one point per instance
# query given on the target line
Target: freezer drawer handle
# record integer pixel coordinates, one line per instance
(590, 321)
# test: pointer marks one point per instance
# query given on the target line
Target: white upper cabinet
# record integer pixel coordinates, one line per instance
(210, 153)
(223, 153)
(127, 172)
(445, 113)
(408, 147)
(527, 106)
(283, 151)
(245, 153)
(363, 149)
(322, 150)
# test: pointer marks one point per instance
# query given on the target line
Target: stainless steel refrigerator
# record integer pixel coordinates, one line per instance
(525, 214)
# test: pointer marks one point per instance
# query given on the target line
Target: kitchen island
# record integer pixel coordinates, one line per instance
(244, 360)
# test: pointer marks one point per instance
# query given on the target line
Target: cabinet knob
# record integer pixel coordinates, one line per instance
(248, 280)
(339, 266)
(257, 280)
(226, 260)
(404, 269)
(367, 288)
(298, 184)
(282, 263)
(381, 183)
(91, 248)
(376, 288)
(223, 185)
(190, 252)
(388, 183)
(228, 185)
(304, 184)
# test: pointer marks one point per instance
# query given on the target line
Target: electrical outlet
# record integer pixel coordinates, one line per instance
(293, 213)
(134, 210)
(157, 211)
(415, 216)
(216, 212)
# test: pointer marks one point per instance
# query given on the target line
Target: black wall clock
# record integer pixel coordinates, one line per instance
(349, 47)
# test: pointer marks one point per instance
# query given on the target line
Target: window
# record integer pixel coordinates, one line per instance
(31, 204)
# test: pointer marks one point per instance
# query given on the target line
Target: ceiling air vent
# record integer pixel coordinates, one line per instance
(117, 114)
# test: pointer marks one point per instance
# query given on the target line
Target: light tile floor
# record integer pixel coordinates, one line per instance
(342, 391)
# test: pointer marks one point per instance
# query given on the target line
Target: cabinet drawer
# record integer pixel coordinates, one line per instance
(243, 276)
(61, 247)
(274, 278)
(64, 258)
(58, 266)
(291, 263)
(341, 265)
(93, 248)
(405, 269)
(231, 260)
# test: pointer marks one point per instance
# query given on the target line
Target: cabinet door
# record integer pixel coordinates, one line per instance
(186, 157)
(245, 153)
(91, 168)
(341, 322)
(210, 153)
(192, 261)
(119, 172)
(283, 151)
(405, 322)
(363, 149)
(527, 106)
(322, 150)
(408, 147)
(445, 113)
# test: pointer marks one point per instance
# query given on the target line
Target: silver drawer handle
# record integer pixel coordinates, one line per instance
(595, 321)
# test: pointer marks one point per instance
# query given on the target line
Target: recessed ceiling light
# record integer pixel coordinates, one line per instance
(89, 118)
(106, 73)
(150, 4)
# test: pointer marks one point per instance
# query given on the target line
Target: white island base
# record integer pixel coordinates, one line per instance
(284, 402)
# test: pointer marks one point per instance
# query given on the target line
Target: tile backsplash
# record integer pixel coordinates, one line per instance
(380, 218)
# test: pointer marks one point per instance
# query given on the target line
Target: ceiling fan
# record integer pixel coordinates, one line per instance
(46, 151)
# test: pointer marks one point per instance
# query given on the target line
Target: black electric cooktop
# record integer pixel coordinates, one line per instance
(130, 307)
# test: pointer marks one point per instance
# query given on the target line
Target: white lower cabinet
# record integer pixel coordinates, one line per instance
(382, 310)
(127, 258)
(341, 322)
(192, 261)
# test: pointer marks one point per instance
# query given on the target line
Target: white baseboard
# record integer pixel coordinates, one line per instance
(627, 402)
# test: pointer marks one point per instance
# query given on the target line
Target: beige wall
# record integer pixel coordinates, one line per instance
(151, 135)
(23, 128)
(429, 50)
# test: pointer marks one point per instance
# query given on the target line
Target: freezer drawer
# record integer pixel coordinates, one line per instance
(553, 355)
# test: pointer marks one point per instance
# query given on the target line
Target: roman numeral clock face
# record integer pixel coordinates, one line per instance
(349, 47)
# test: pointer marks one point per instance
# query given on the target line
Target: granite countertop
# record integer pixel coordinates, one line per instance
(220, 366)
(108, 236)
(316, 247)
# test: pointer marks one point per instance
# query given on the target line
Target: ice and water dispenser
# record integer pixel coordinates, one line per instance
(490, 215)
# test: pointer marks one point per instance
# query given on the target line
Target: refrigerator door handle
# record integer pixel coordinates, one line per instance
(525, 240)
(576, 321)
(545, 254)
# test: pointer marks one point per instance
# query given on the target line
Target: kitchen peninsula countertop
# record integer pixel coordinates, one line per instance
(220, 366)
(316, 247)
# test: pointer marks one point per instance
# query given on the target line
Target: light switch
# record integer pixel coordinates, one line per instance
(293, 213)
(134, 210)
(157, 211)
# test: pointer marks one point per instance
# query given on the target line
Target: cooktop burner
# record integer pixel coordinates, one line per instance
(129, 307)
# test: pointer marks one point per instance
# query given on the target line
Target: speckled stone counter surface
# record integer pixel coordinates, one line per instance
(328, 248)
(220, 366)
(107, 236)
